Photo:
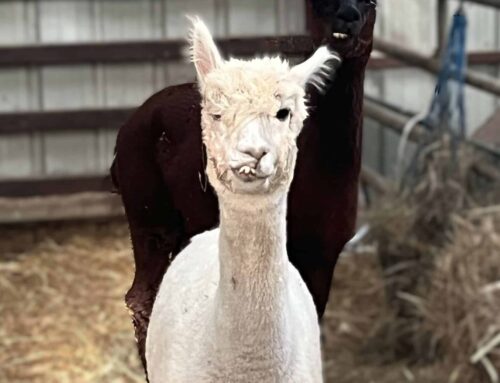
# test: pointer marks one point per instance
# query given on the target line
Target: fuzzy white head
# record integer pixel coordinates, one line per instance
(252, 113)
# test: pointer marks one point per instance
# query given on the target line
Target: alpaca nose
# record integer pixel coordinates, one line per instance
(349, 14)
(253, 141)
(256, 152)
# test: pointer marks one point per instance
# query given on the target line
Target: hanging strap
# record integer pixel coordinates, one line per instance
(447, 109)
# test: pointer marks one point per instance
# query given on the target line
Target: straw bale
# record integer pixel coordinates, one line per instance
(461, 304)
(62, 310)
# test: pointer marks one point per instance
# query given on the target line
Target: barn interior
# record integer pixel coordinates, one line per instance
(415, 295)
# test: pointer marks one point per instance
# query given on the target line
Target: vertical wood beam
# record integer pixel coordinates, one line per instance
(442, 26)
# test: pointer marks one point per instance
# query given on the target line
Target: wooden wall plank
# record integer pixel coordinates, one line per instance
(68, 88)
(126, 20)
(410, 23)
(16, 26)
(176, 27)
(257, 17)
(14, 150)
(372, 131)
(69, 152)
(479, 105)
(62, 120)
(145, 51)
(53, 185)
(13, 89)
(63, 21)
(60, 208)
(172, 50)
(176, 24)
(123, 84)
(482, 26)
(409, 88)
(482, 36)
(291, 17)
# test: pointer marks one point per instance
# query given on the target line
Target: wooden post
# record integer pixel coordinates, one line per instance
(442, 24)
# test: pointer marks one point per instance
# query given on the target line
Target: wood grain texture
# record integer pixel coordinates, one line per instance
(79, 206)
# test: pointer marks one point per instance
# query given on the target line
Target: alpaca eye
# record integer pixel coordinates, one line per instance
(216, 117)
(283, 114)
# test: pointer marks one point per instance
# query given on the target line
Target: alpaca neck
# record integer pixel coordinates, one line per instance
(252, 288)
(339, 116)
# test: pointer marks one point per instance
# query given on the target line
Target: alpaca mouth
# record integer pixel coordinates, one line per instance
(340, 36)
(346, 44)
(249, 174)
(342, 39)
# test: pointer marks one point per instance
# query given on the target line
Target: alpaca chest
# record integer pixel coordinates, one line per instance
(189, 340)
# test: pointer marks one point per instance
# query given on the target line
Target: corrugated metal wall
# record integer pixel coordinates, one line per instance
(409, 22)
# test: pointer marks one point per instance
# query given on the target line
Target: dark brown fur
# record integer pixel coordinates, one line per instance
(159, 171)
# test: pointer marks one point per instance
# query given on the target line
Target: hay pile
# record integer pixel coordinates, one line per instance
(437, 243)
(62, 309)
(53, 330)
(461, 306)
(358, 348)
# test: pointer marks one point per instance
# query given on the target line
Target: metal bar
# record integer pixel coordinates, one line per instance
(391, 119)
(119, 52)
(376, 180)
(396, 122)
(488, 3)
(112, 119)
(87, 206)
(477, 80)
(91, 119)
(407, 114)
(473, 58)
(52, 186)
(484, 58)
(148, 50)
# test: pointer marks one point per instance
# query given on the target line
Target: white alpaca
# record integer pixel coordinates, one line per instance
(231, 307)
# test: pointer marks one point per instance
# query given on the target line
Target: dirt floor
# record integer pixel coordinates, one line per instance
(63, 318)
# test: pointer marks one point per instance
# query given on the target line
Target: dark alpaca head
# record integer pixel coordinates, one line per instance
(345, 25)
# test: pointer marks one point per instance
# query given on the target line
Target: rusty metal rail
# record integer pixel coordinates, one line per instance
(478, 80)
(487, 3)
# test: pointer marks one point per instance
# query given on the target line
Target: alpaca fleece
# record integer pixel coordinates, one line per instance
(159, 172)
(232, 308)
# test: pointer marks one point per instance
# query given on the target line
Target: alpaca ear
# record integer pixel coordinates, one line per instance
(315, 70)
(204, 53)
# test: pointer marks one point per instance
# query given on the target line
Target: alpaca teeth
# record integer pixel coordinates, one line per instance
(247, 170)
(339, 35)
(244, 170)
